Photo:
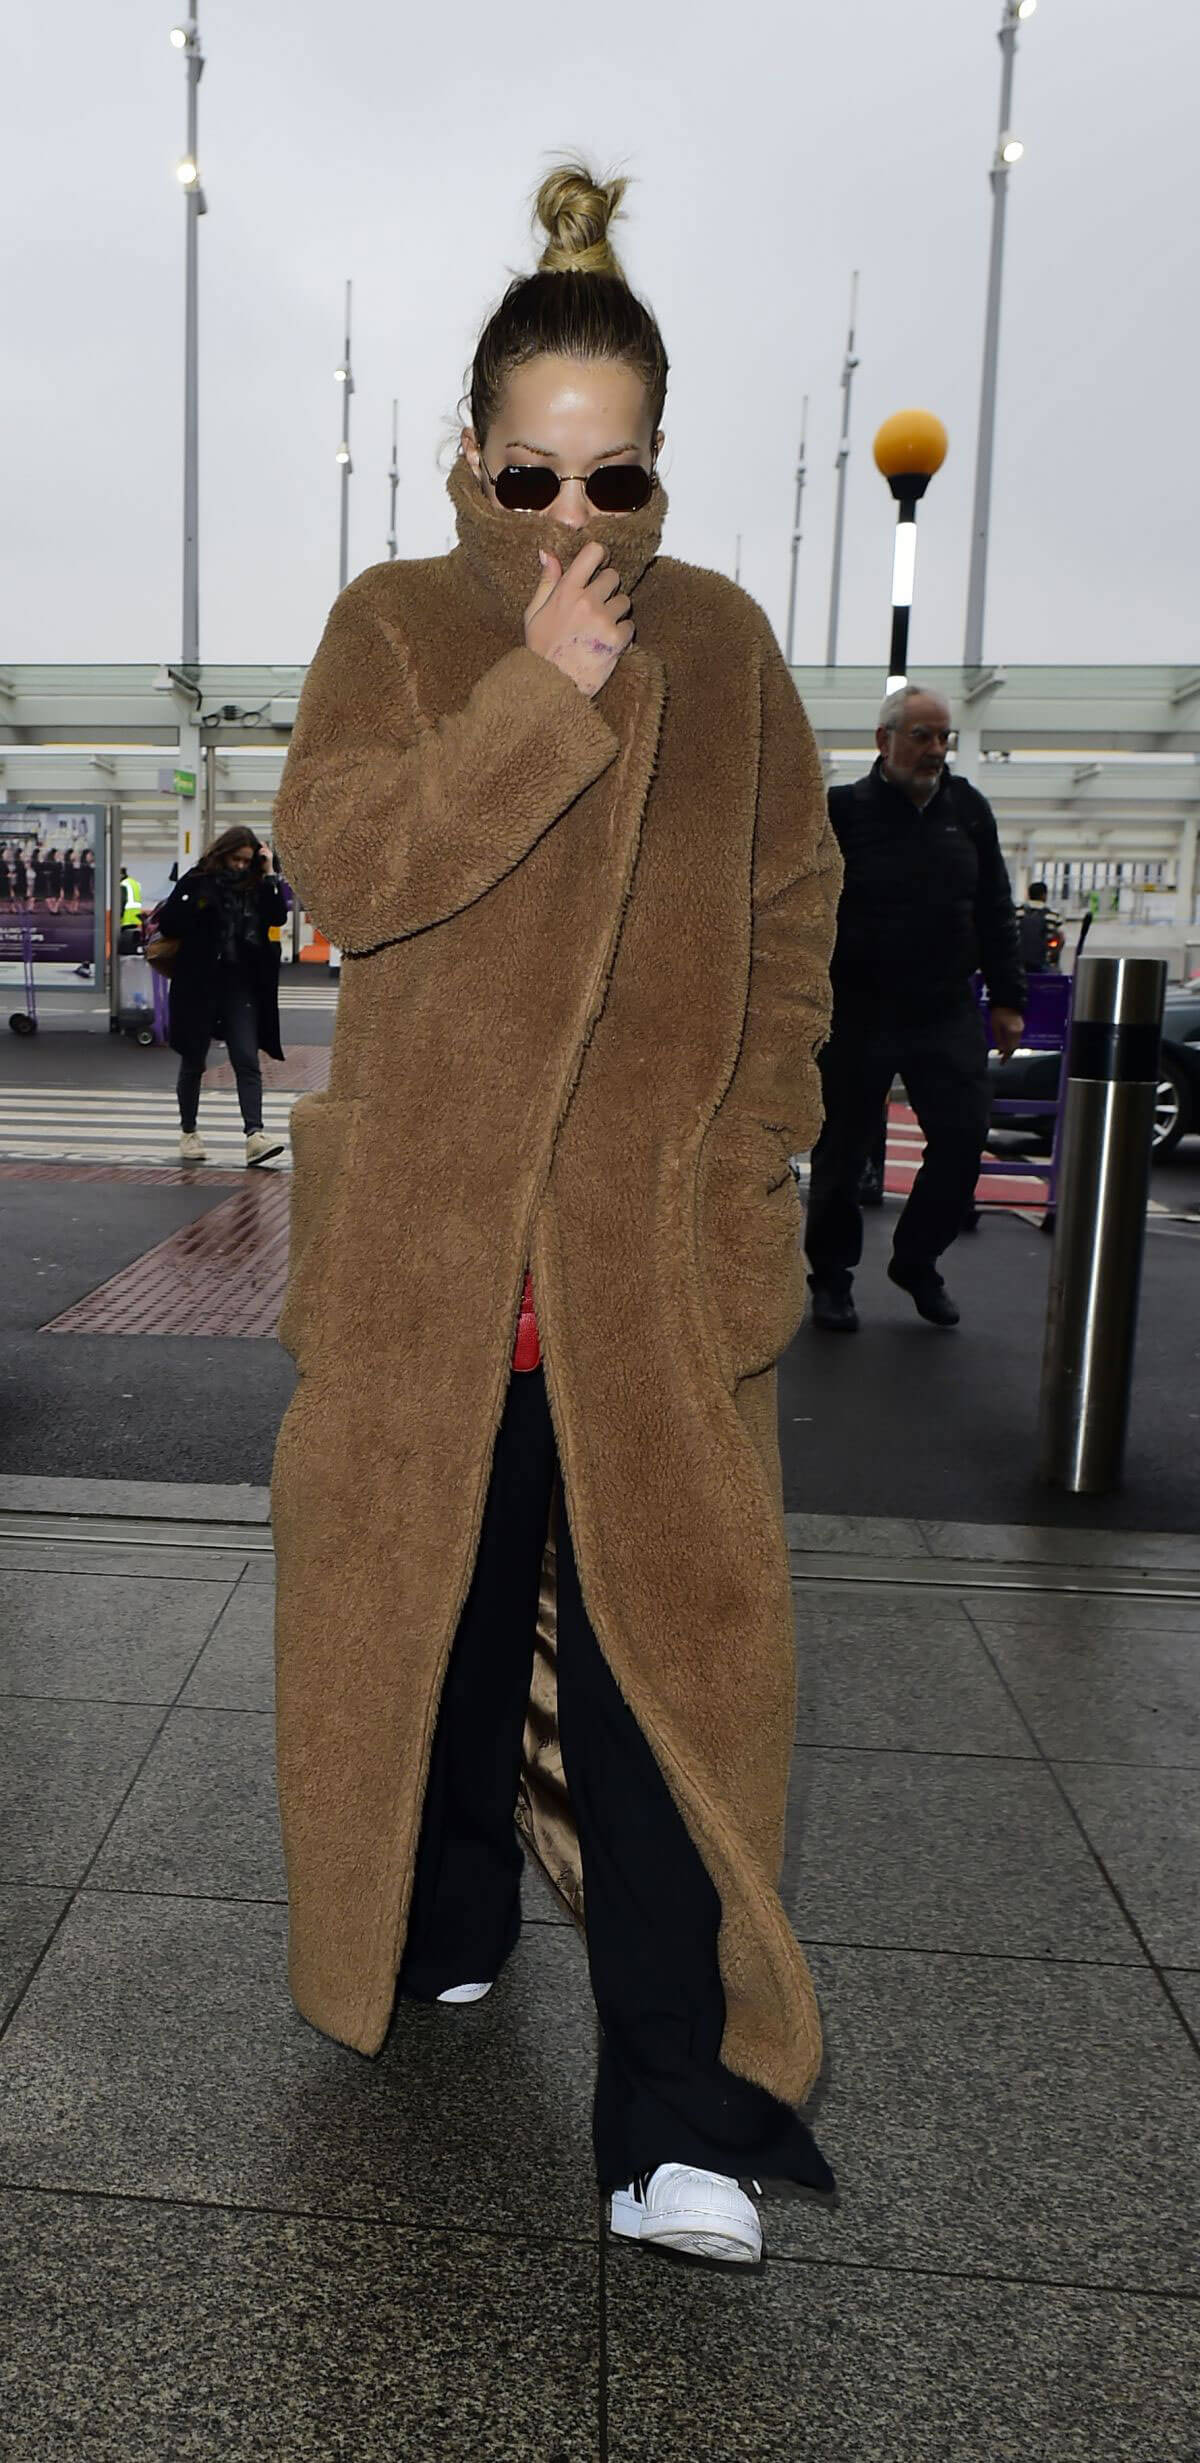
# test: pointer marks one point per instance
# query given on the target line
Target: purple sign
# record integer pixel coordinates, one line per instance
(48, 873)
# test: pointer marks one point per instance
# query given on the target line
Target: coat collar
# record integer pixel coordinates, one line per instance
(878, 782)
(502, 548)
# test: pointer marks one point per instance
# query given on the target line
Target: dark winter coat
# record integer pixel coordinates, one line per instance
(926, 901)
(585, 981)
(192, 916)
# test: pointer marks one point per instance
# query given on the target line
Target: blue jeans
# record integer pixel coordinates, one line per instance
(235, 1015)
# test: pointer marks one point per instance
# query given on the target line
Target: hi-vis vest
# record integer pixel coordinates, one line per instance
(131, 912)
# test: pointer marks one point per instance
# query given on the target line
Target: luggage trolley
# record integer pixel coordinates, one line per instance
(140, 1009)
(25, 1021)
(1049, 1010)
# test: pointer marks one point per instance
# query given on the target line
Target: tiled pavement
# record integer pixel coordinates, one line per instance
(225, 2237)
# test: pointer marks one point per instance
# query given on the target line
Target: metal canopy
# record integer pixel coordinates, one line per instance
(1080, 760)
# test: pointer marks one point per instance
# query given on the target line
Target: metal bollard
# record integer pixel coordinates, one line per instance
(1103, 1188)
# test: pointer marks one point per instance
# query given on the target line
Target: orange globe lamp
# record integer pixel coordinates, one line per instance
(909, 448)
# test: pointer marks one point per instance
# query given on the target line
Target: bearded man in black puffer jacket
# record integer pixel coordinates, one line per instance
(926, 904)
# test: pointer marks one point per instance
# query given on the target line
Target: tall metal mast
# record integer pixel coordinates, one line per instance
(797, 533)
(843, 456)
(186, 38)
(394, 482)
(1008, 151)
(345, 378)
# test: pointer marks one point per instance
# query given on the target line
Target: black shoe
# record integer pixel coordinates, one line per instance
(833, 1310)
(927, 1292)
(870, 1186)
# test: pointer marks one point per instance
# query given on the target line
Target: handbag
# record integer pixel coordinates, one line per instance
(161, 954)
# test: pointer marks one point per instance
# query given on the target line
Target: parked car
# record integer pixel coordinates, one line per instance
(1177, 1110)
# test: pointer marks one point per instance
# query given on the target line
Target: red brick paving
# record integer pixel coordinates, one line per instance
(304, 1072)
(141, 1175)
(1016, 1191)
(223, 1274)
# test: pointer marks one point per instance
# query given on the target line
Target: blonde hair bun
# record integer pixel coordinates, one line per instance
(574, 210)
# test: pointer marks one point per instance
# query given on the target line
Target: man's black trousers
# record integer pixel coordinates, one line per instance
(943, 1065)
(662, 2094)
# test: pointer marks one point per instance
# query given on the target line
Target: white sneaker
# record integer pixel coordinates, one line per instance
(261, 1146)
(191, 1147)
(465, 1992)
(704, 2214)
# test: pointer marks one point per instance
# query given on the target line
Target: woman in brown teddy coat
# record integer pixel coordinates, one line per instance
(554, 796)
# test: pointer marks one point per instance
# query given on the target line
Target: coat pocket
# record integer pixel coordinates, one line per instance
(321, 1129)
(751, 1227)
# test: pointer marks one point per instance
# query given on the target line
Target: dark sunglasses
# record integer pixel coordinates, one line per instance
(618, 487)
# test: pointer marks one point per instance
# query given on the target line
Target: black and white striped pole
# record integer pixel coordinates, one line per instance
(909, 448)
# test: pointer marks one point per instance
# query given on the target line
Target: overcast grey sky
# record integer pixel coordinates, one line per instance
(773, 147)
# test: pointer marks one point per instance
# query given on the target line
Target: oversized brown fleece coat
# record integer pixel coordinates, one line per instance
(586, 976)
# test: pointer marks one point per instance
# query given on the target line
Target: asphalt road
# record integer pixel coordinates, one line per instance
(904, 1419)
(145, 1407)
(898, 1420)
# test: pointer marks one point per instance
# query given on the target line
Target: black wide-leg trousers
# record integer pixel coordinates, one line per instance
(943, 1065)
(662, 2093)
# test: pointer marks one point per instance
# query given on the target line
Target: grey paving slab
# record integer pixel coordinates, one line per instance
(177, 2335)
(540, 1901)
(203, 1816)
(1003, 2117)
(1185, 1984)
(148, 1500)
(236, 1670)
(831, 2365)
(64, 1768)
(260, 1569)
(27, 1919)
(1105, 1697)
(1026, 1543)
(1118, 1587)
(1054, 1613)
(1145, 1824)
(65, 1633)
(928, 1607)
(134, 1565)
(131, 1531)
(157, 2053)
(853, 1535)
(920, 1853)
(865, 1677)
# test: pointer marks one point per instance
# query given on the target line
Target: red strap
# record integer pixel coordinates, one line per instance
(528, 1352)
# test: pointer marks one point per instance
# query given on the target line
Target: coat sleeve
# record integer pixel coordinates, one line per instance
(180, 913)
(387, 822)
(797, 880)
(749, 1213)
(996, 926)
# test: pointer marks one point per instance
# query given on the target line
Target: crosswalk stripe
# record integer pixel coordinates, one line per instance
(127, 1125)
(93, 1107)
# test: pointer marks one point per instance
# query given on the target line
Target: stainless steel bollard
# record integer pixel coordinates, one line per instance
(1103, 1188)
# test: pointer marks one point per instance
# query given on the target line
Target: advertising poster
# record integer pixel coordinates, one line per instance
(51, 857)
